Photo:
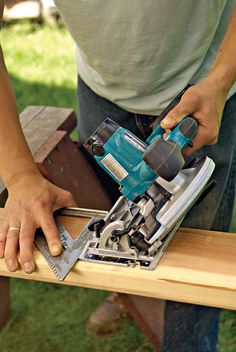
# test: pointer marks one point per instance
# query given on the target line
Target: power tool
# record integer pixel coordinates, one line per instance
(157, 190)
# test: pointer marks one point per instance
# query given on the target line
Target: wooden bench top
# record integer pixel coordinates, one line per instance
(47, 131)
(198, 267)
(39, 123)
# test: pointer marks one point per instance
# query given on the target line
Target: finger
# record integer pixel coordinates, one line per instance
(50, 231)
(26, 239)
(11, 248)
(166, 134)
(175, 116)
(201, 139)
(3, 234)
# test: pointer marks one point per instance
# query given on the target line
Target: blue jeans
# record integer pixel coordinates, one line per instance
(188, 327)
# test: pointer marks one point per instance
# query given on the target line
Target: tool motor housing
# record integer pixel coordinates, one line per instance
(135, 164)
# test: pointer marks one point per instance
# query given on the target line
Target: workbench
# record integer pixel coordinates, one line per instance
(198, 267)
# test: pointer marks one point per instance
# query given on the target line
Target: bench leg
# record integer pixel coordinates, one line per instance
(4, 299)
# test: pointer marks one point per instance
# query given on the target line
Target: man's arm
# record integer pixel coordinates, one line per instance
(205, 101)
(31, 198)
(17, 160)
(223, 70)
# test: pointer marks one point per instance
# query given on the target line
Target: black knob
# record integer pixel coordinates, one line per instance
(97, 149)
(117, 234)
(96, 226)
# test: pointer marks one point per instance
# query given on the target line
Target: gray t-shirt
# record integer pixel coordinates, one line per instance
(140, 53)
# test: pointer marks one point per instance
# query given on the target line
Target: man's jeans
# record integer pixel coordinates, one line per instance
(187, 328)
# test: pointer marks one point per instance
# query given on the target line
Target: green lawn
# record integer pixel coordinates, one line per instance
(42, 65)
(52, 318)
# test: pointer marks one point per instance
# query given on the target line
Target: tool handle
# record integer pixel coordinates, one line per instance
(164, 156)
(158, 130)
(184, 132)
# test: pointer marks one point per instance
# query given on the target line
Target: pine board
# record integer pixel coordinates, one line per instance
(198, 267)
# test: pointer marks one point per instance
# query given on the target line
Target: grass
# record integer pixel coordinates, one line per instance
(52, 318)
(42, 65)
(45, 317)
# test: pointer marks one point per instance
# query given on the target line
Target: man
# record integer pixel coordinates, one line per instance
(133, 58)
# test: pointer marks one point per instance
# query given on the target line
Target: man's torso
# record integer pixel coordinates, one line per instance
(139, 54)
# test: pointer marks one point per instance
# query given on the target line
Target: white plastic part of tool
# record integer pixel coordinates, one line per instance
(186, 188)
(105, 234)
(147, 208)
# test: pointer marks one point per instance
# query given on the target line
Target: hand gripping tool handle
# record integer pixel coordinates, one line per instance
(158, 131)
(164, 156)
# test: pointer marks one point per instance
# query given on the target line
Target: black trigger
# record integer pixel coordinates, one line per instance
(190, 144)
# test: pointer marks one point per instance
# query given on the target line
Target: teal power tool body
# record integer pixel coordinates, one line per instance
(135, 164)
(157, 190)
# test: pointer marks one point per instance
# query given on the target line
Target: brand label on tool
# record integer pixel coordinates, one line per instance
(114, 167)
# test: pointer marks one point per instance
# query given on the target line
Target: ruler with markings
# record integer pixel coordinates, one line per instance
(72, 249)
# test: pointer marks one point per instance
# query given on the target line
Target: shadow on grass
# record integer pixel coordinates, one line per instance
(36, 93)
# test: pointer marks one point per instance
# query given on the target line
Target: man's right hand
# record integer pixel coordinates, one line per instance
(30, 205)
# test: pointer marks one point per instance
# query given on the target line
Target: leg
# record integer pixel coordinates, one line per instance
(191, 327)
(93, 110)
(4, 299)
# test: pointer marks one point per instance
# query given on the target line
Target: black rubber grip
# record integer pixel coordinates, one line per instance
(164, 158)
(189, 127)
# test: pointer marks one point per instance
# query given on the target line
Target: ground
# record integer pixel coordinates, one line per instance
(46, 317)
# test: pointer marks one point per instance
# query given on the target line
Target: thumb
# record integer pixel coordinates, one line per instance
(175, 116)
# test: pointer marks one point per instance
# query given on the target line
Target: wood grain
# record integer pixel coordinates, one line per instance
(198, 267)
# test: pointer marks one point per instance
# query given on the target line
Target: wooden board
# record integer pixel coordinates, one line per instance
(39, 123)
(198, 267)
